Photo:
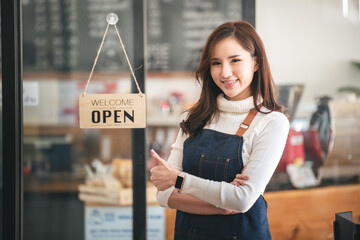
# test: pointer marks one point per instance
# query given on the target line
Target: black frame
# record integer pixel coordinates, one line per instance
(249, 16)
(138, 135)
(11, 43)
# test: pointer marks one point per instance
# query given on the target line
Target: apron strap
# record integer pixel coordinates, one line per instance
(246, 123)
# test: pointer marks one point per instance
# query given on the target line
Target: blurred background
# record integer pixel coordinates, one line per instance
(76, 180)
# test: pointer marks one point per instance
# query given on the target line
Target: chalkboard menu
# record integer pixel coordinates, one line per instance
(64, 35)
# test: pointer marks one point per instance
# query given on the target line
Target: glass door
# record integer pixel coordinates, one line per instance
(78, 183)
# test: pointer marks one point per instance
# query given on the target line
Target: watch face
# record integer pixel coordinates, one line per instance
(178, 182)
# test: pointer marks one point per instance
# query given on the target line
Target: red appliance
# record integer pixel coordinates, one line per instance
(294, 151)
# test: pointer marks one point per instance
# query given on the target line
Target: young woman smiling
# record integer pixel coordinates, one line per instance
(236, 122)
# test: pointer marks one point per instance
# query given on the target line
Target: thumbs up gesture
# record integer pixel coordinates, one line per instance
(163, 175)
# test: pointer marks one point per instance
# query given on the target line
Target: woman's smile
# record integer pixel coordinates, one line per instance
(229, 83)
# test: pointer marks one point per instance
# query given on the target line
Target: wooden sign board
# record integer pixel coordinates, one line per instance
(112, 111)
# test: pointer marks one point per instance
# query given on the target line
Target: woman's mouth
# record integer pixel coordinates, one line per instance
(229, 83)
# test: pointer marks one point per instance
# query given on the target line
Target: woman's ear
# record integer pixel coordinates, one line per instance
(256, 65)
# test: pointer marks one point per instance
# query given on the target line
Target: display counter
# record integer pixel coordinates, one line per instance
(302, 214)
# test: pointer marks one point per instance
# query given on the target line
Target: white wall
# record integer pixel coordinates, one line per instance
(310, 42)
(161, 88)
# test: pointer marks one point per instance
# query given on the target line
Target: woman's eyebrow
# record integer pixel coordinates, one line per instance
(232, 56)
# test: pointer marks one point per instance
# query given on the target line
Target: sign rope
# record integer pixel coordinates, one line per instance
(127, 58)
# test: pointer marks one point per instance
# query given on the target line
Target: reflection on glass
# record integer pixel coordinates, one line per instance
(68, 170)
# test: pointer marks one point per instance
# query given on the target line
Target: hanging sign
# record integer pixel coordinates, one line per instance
(112, 110)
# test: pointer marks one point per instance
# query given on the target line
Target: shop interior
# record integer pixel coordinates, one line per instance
(314, 53)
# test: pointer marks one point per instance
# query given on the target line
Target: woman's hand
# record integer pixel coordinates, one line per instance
(163, 175)
(240, 178)
(229, 212)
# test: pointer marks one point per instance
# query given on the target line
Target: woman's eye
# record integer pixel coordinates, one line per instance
(235, 60)
(215, 63)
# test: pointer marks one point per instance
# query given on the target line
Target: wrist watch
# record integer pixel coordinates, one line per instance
(179, 181)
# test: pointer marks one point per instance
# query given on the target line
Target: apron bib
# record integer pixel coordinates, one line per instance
(218, 156)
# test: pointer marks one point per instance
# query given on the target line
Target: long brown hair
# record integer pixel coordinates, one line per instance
(262, 85)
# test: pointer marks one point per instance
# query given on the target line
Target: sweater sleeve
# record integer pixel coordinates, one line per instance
(267, 148)
(175, 159)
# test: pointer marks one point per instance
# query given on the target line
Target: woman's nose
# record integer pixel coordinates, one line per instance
(226, 71)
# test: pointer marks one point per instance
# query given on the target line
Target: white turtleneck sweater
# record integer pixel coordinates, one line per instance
(264, 142)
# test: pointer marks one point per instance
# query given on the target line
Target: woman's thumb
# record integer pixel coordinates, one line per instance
(158, 158)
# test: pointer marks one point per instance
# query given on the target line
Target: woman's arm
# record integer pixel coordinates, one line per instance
(185, 202)
(190, 204)
(175, 159)
(266, 152)
(267, 148)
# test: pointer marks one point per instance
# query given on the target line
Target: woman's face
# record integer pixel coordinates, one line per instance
(232, 69)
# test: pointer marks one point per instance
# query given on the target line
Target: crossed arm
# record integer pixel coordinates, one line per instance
(190, 204)
(185, 202)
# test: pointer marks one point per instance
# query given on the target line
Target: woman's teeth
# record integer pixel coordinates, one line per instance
(229, 82)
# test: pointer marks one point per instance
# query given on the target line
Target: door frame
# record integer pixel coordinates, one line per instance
(12, 128)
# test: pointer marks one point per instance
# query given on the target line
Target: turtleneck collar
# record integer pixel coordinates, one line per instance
(242, 106)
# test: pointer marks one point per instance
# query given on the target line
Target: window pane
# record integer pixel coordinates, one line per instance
(69, 183)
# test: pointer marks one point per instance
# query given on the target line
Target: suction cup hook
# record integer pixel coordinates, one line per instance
(112, 18)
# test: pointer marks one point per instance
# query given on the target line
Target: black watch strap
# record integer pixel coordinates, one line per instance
(179, 182)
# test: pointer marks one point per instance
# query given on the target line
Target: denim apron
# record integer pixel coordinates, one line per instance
(218, 156)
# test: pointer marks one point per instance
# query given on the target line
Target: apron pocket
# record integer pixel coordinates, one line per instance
(214, 168)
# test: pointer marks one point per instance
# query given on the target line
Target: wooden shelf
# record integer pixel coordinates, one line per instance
(53, 184)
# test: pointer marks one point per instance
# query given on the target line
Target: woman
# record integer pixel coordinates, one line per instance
(236, 122)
